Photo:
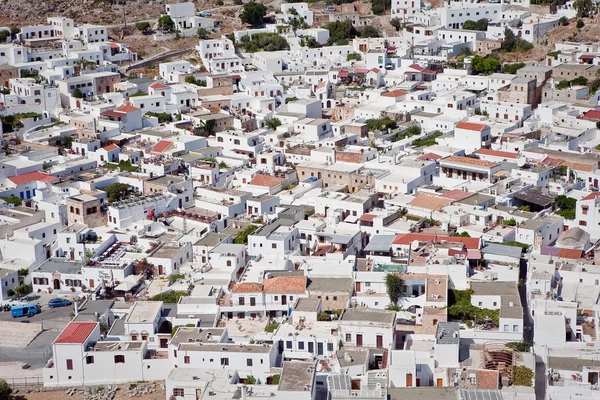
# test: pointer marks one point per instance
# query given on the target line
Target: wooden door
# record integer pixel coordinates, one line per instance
(379, 341)
(408, 380)
(439, 382)
(357, 287)
(359, 341)
(418, 382)
(284, 300)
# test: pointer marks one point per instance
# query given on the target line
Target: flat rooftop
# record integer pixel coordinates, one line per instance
(380, 316)
(144, 312)
(189, 335)
(297, 376)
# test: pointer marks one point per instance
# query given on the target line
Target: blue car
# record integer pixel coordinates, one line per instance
(59, 303)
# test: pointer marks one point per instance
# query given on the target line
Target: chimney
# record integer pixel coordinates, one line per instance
(76, 304)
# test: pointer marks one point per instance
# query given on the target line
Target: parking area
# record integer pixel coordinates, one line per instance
(49, 318)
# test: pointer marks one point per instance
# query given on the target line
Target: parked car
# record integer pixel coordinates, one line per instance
(59, 303)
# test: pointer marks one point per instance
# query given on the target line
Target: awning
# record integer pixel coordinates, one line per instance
(129, 283)
(361, 71)
(473, 254)
(343, 74)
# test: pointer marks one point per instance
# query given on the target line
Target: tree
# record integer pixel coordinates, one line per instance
(143, 27)
(206, 128)
(509, 40)
(396, 23)
(583, 7)
(522, 375)
(253, 14)
(77, 93)
(4, 36)
(23, 272)
(580, 23)
(242, 236)
(370, 32)
(395, 287)
(340, 32)
(479, 25)
(116, 191)
(22, 290)
(5, 389)
(145, 268)
(379, 7)
(67, 141)
(487, 65)
(166, 24)
(513, 68)
(14, 200)
(273, 123)
(202, 33)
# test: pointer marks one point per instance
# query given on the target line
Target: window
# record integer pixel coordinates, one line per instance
(330, 347)
(224, 361)
(495, 304)
(70, 365)
(505, 328)
(178, 392)
(89, 360)
(248, 362)
(300, 345)
(273, 245)
(288, 344)
(348, 337)
(186, 359)
(119, 359)
(515, 328)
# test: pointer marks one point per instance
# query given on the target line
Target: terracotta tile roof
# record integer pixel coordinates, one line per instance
(285, 284)
(32, 177)
(497, 153)
(266, 180)
(322, 84)
(111, 147)
(112, 113)
(247, 287)
(375, 70)
(470, 161)
(417, 67)
(161, 146)
(593, 115)
(457, 194)
(429, 201)
(591, 196)
(408, 238)
(367, 217)
(113, 45)
(396, 93)
(127, 108)
(579, 166)
(76, 333)
(471, 126)
(429, 156)
(157, 85)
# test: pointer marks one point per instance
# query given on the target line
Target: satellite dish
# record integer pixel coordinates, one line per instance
(521, 161)
(414, 245)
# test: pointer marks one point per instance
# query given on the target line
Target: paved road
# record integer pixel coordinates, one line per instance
(50, 318)
(36, 354)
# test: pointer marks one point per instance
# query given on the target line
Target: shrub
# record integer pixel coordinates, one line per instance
(580, 23)
(175, 277)
(479, 25)
(381, 124)
(143, 27)
(14, 200)
(266, 41)
(519, 346)
(522, 376)
(513, 68)
(323, 317)
(353, 56)
(340, 32)
(253, 13)
(171, 297)
(563, 21)
(510, 222)
(272, 328)
(273, 123)
(242, 236)
(394, 285)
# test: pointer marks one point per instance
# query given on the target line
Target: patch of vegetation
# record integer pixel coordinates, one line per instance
(272, 328)
(143, 27)
(413, 218)
(171, 297)
(14, 200)
(253, 14)
(288, 99)
(479, 25)
(395, 287)
(522, 375)
(513, 68)
(519, 346)
(28, 73)
(414, 130)
(510, 222)
(396, 23)
(380, 124)
(430, 141)
(462, 234)
(162, 117)
(275, 379)
(460, 308)
(486, 65)
(265, 41)
(512, 43)
(116, 191)
(242, 236)
(272, 123)
(198, 82)
(380, 7)
(166, 24)
(340, 32)
(516, 244)
(175, 277)
(563, 21)
(77, 93)
(353, 57)
(566, 206)
(369, 32)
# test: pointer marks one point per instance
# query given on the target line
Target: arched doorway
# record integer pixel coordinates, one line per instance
(57, 284)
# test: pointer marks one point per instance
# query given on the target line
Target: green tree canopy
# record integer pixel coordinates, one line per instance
(116, 191)
(340, 32)
(253, 13)
(143, 27)
(166, 24)
(395, 287)
(479, 25)
(272, 123)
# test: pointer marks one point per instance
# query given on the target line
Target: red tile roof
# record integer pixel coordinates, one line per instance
(32, 177)
(76, 333)
(591, 196)
(457, 194)
(113, 45)
(471, 126)
(417, 67)
(266, 180)
(429, 156)
(111, 147)
(112, 113)
(408, 238)
(497, 153)
(593, 115)
(157, 85)
(375, 70)
(247, 287)
(470, 161)
(161, 146)
(396, 93)
(127, 108)
(285, 284)
(343, 74)
(367, 217)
